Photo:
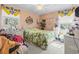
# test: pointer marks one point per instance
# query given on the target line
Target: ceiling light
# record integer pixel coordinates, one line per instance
(39, 6)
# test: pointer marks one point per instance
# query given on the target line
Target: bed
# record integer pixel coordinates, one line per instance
(38, 37)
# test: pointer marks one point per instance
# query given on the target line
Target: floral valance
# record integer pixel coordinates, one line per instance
(10, 10)
(67, 12)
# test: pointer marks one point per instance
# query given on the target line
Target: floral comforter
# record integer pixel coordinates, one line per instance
(37, 37)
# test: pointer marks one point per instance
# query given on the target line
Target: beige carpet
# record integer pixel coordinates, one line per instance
(55, 47)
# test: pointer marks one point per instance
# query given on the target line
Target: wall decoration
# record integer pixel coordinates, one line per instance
(29, 20)
(42, 24)
(10, 10)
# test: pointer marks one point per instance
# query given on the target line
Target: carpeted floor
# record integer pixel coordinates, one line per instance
(55, 47)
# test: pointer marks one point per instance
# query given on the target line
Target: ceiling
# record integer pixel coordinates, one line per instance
(46, 8)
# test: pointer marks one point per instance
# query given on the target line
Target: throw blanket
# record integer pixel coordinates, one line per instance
(5, 45)
(18, 38)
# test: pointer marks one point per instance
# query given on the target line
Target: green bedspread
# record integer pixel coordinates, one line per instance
(37, 37)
